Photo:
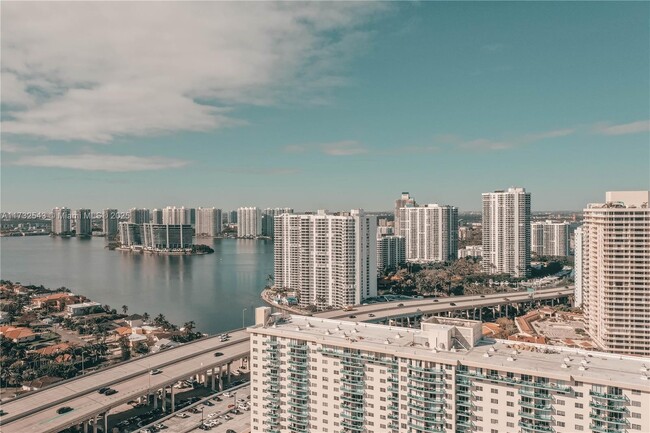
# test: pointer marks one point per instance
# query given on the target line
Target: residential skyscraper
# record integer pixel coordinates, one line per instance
(208, 222)
(442, 377)
(177, 215)
(249, 222)
(577, 266)
(166, 236)
(549, 238)
(615, 272)
(431, 232)
(109, 222)
(232, 217)
(268, 219)
(130, 234)
(506, 232)
(404, 201)
(83, 222)
(327, 259)
(157, 216)
(391, 252)
(61, 220)
(139, 216)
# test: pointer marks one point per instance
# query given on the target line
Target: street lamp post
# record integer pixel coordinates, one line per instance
(243, 317)
(202, 414)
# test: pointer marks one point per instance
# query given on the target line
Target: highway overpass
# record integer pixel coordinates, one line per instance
(36, 412)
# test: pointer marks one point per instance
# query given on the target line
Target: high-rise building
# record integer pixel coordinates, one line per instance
(61, 220)
(83, 222)
(475, 251)
(549, 238)
(208, 222)
(232, 218)
(404, 201)
(268, 219)
(130, 234)
(327, 259)
(615, 272)
(157, 216)
(177, 215)
(249, 222)
(578, 266)
(506, 232)
(391, 252)
(431, 232)
(443, 377)
(166, 236)
(139, 216)
(109, 222)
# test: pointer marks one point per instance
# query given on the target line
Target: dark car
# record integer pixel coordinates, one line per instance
(400, 305)
(216, 398)
(63, 409)
(218, 354)
(103, 390)
(110, 392)
(482, 296)
(371, 315)
(230, 431)
(2, 413)
(208, 403)
(352, 316)
(453, 304)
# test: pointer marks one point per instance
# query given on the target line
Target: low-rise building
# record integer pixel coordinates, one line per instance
(17, 334)
(57, 301)
(83, 308)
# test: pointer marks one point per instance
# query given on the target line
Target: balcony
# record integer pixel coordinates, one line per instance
(535, 427)
(351, 399)
(298, 372)
(608, 419)
(427, 419)
(425, 428)
(531, 405)
(613, 397)
(430, 370)
(616, 408)
(427, 390)
(352, 417)
(604, 429)
(536, 416)
(535, 394)
(352, 425)
(430, 409)
(427, 380)
(425, 399)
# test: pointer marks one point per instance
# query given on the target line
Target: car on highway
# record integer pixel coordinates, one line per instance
(400, 305)
(453, 304)
(63, 409)
(110, 391)
(435, 300)
(371, 315)
(103, 390)
(352, 316)
(2, 413)
(183, 415)
(160, 426)
(155, 371)
(218, 353)
(227, 394)
(230, 431)
(216, 398)
(208, 403)
(205, 427)
(506, 299)
(482, 296)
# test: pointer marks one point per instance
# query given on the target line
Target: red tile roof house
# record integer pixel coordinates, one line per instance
(57, 301)
(17, 334)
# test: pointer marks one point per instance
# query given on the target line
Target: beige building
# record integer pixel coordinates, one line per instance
(615, 272)
(319, 375)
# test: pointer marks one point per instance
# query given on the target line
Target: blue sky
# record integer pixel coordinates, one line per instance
(322, 105)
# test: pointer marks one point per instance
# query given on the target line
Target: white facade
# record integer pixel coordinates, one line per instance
(615, 272)
(109, 222)
(578, 267)
(249, 222)
(268, 219)
(391, 252)
(506, 232)
(83, 222)
(327, 376)
(405, 200)
(549, 238)
(431, 232)
(475, 251)
(176, 215)
(130, 234)
(61, 220)
(327, 259)
(157, 216)
(208, 222)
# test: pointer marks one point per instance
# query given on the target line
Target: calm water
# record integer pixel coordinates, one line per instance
(211, 289)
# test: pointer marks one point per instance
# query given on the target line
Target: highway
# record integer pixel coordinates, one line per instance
(36, 412)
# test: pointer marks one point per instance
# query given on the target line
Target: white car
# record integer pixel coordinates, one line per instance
(227, 394)
(183, 415)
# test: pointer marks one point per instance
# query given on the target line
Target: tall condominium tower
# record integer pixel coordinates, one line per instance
(249, 222)
(578, 266)
(176, 215)
(506, 232)
(404, 201)
(109, 222)
(268, 219)
(60, 220)
(232, 217)
(208, 222)
(549, 238)
(615, 267)
(391, 252)
(166, 236)
(431, 232)
(139, 216)
(327, 259)
(318, 375)
(157, 216)
(130, 234)
(83, 222)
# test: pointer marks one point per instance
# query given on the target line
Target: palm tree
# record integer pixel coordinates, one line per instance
(189, 327)
(160, 320)
(125, 309)
(145, 317)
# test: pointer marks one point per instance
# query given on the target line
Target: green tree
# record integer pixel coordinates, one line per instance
(125, 309)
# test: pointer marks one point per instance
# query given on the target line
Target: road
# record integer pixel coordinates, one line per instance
(36, 412)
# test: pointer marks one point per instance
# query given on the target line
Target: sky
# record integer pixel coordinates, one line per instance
(321, 105)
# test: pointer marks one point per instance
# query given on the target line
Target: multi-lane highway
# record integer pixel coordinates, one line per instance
(37, 412)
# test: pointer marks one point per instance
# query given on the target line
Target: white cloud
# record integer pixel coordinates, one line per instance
(502, 144)
(95, 71)
(17, 148)
(101, 162)
(623, 129)
(336, 148)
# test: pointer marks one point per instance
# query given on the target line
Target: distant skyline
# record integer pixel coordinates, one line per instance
(322, 105)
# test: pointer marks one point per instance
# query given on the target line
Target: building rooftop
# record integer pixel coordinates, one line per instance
(560, 363)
